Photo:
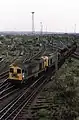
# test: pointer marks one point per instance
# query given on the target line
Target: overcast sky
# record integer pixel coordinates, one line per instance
(56, 15)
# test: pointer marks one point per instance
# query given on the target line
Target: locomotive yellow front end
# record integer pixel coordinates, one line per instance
(15, 74)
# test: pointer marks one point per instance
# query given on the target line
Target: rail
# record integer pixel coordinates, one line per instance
(75, 55)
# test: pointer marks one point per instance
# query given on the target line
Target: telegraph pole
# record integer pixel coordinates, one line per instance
(41, 25)
(75, 28)
(33, 30)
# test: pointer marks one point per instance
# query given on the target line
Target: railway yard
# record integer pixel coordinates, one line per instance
(53, 93)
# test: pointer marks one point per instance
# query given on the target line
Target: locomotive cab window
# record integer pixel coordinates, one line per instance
(18, 71)
(45, 60)
(11, 70)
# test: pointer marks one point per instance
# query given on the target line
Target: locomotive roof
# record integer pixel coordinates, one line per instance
(32, 63)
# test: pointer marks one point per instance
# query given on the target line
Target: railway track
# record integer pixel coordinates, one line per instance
(76, 55)
(11, 93)
(4, 74)
(9, 97)
(23, 100)
(3, 80)
(12, 110)
(11, 104)
(7, 91)
(4, 85)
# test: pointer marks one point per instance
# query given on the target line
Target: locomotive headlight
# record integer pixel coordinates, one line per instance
(23, 75)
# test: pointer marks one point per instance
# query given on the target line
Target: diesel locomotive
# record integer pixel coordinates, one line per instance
(20, 73)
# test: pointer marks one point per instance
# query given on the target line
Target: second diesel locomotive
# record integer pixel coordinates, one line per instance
(23, 72)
